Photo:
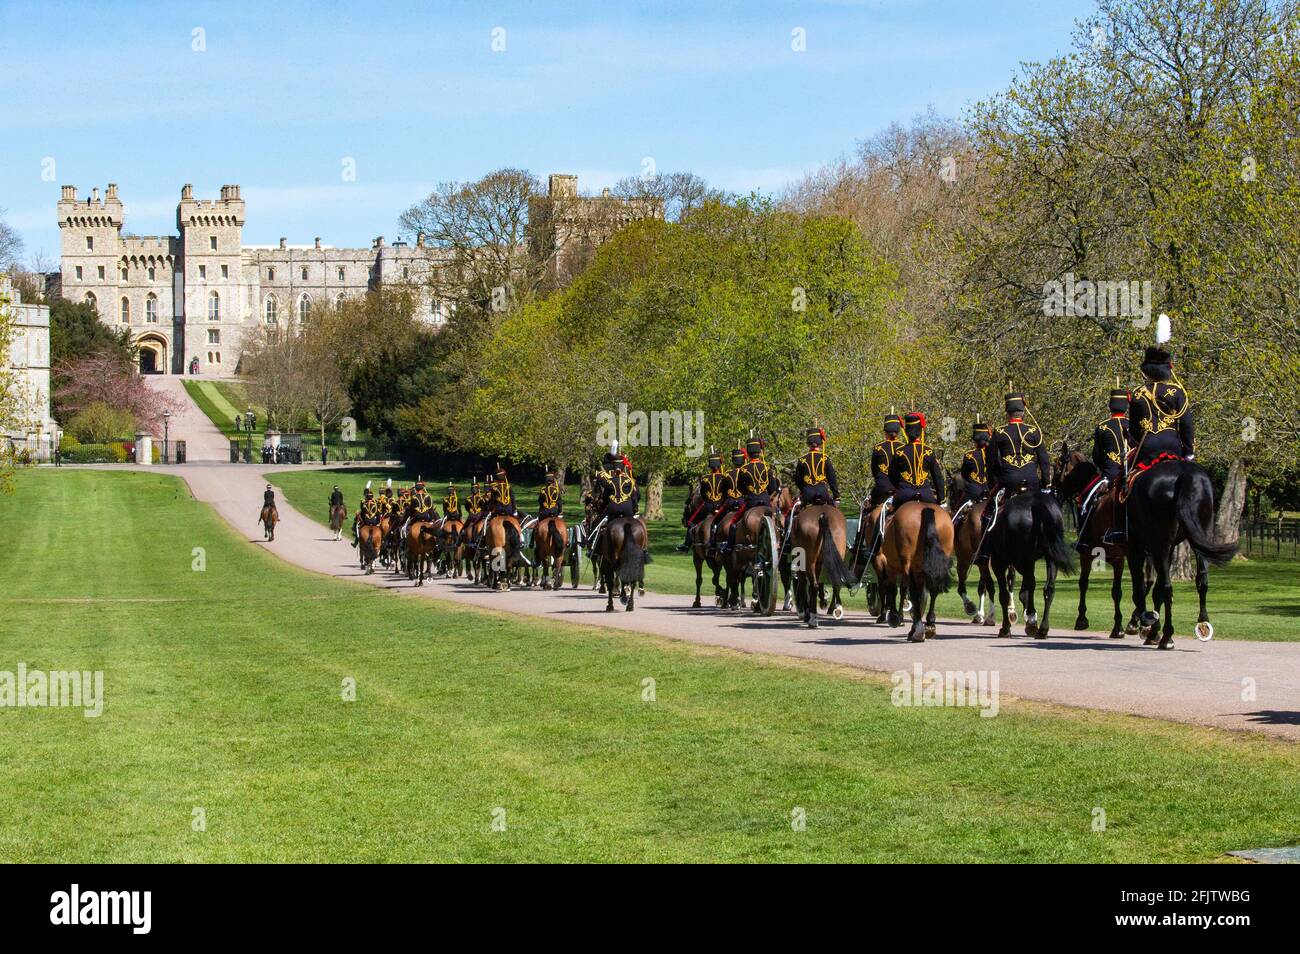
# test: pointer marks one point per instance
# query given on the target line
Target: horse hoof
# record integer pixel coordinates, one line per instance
(1041, 634)
(1205, 631)
(812, 622)
(1081, 622)
(1130, 630)
(1013, 616)
(1166, 643)
(628, 608)
(978, 619)
(907, 606)
(1116, 634)
(929, 632)
(696, 604)
(609, 608)
(837, 613)
(1031, 627)
(893, 620)
(913, 636)
(1004, 632)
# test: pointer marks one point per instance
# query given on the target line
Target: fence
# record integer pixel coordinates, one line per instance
(1265, 536)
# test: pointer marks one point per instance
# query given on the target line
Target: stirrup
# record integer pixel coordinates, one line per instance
(1113, 537)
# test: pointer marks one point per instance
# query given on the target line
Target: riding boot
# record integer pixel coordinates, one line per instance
(1119, 534)
(1080, 544)
(686, 542)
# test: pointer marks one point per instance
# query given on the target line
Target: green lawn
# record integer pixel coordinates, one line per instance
(223, 692)
(1250, 599)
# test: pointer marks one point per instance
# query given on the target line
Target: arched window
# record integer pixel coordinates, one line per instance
(270, 308)
(152, 273)
(92, 301)
(125, 310)
(214, 307)
(151, 309)
(304, 303)
(338, 302)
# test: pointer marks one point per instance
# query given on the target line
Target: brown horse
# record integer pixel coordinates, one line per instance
(370, 540)
(966, 543)
(550, 541)
(698, 535)
(338, 514)
(421, 543)
(501, 551)
(1076, 477)
(917, 550)
(816, 551)
(739, 558)
(449, 548)
(621, 559)
(268, 518)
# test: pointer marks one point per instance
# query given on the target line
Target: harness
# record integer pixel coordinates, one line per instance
(1137, 470)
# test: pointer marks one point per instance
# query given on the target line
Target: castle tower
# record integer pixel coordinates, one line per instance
(212, 235)
(91, 237)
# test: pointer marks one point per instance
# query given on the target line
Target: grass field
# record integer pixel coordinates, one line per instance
(223, 693)
(1250, 599)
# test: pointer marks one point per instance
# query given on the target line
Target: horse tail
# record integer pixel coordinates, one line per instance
(935, 564)
(1051, 534)
(1192, 488)
(514, 543)
(631, 565)
(557, 540)
(835, 570)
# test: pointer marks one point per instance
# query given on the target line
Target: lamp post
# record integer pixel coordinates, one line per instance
(167, 416)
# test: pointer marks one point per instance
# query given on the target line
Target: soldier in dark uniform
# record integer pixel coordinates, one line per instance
(268, 500)
(1110, 449)
(500, 498)
(975, 465)
(731, 498)
(756, 482)
(336, 497)
(711, 488)
(882, 458)
(473, 507)
(422, 510)
(915, 471)
(814, 474)
(623, 494)
(549, 500)
(1018, 460)
(368, 513)
(1160, 426)
(451, 503)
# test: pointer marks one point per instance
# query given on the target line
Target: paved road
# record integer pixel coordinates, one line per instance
(1196, 682)
(203, 441)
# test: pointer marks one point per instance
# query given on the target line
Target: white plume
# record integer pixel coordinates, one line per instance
(1164, 330)
(367, 485)
(390, 481)
(613, 448)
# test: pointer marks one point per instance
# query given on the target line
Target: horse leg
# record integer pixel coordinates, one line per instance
(1004, 598)
(1203, 627)
(1116, 594)
(699, 574)
(1085, 569)
(812, 587)
(1028, 581)
(1049, 590)
(916, 593)
(1137, 576)
(930, 627)
(967, 606)
(1166, 599)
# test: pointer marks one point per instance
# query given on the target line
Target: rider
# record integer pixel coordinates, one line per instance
(756, 482)
(711, 488)
(1110, 448)
(814, 474)
(975, 468)
(550, 501)
(368, 513)
(1160, 420)
(336, 497)
(500, 499)
(623, 494)
(474, 507)
(1019, 460)
(451, 502)
(268, 500)
(422, 508)
(882, 456)
(730, 494)
(915, 471)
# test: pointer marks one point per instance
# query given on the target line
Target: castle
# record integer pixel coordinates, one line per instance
(25, 370)
(189, 299)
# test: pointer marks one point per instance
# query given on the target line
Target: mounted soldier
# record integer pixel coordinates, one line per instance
(882, 458)
(422, 509)
(550, 502)
(974, 470)
(731, 498)
(501, 499)
(756, 482)
(623, 493)
(336, 497)
(915, 471)
(451, 503)
(1160, 421)
(814, 474)
(1110, 450)
(368, 513)
(1018, 462)
(709, 492)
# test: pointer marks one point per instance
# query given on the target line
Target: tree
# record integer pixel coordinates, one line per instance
(11, 245)
(679, 193)
(98, 423)
(76, 332)
(111, 379)
(274, 370)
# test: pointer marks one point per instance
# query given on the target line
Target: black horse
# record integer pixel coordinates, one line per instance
(1028, 528)
(1170, 503)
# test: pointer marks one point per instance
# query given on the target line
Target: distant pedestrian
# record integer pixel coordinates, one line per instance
(239, 422)
(324, 454)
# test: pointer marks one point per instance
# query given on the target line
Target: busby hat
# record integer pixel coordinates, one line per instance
(893, 423)
(1119, 400)
(738, 456)
(980, 429)
(1014, 402)
(754, 446)
(815, 436)
(1157, 362)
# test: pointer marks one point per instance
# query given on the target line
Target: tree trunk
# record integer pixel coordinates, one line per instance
(654, 496)
(1183, 564)
(1232, 505)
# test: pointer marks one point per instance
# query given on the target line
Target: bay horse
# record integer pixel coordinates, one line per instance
(738, 559)
(698, 535)
(268, 518)
(370, 540)
(501, 551)
(917, 550)
(818, 539)
(449, 549)
(550, 543)
(338, 514)
(1027, 528)
(1076, 475)
(965, 544)
(1168, 503)
(622, 556)
(421, 543)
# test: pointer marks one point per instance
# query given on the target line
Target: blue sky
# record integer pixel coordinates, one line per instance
(414, 94)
